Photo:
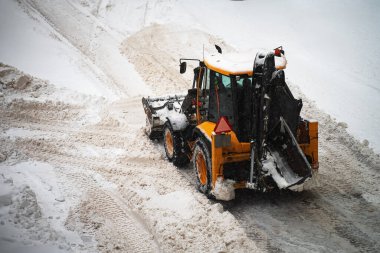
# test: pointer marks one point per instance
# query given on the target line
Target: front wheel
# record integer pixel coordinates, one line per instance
(173, 147)
(202, 167)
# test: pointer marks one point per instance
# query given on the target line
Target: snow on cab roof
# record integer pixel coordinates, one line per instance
(237, 64)
(230, 63)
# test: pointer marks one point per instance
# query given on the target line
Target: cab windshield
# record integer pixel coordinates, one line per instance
(228, 96)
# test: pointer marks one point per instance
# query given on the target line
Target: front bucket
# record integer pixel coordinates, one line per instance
(285, 162)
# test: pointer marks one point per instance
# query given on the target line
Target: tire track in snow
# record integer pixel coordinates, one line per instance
(115, 226)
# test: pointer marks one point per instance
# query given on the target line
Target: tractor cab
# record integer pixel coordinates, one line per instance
(223, 86)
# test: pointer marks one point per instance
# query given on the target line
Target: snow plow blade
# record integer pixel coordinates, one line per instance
(292, 167)
(157, 110)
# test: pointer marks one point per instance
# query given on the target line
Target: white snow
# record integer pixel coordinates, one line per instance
(177, 119)
(77, 174)
(29, 43)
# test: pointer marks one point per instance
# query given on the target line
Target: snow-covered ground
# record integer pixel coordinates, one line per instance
(77, 173)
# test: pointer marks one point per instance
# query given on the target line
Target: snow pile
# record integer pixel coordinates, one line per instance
(178, 120)
(155, 51)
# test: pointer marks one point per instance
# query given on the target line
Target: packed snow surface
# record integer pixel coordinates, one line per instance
(78, 174)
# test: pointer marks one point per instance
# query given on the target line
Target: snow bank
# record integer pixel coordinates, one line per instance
(30, 44)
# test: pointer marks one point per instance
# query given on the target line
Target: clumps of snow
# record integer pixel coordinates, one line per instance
(11, 79)
(270, 166)
(3, 157)
(22, 82)
(372, 198)
(365, 143)
(15, 84)
(343, 125)
(178, 120)
(224, 189)
(23, 223)
(31, 208)
(28, 209)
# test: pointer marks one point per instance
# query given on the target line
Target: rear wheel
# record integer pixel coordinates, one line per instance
(202, 167)
(173, 147)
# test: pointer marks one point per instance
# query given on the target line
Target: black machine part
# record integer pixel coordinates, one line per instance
(276, 114)
(291, 162)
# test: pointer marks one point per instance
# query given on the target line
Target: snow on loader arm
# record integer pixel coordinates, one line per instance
(240, 126)
(161, 109)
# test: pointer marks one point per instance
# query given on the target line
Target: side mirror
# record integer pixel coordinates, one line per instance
(182, 67)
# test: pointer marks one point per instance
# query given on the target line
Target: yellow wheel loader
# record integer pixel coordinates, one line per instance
(239, 124)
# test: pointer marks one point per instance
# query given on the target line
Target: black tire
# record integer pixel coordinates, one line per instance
(173, 145)
(203, 182)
